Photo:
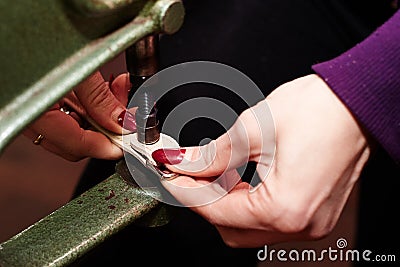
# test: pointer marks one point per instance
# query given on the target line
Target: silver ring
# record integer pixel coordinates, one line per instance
(65, 110)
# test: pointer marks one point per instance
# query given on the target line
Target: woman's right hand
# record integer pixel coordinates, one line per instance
(320, 152)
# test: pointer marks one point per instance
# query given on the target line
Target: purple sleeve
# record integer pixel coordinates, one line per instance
(367, 80)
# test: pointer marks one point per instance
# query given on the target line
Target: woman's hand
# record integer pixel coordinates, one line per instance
(66, 133)
(320, 152)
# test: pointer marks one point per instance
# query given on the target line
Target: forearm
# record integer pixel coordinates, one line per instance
(366, 78)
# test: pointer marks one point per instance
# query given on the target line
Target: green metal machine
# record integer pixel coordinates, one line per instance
(48, 47)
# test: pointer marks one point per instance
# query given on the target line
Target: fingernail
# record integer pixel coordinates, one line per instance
(169, 156)
(127, 121)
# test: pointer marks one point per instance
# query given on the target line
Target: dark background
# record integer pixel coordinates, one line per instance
(34, 182)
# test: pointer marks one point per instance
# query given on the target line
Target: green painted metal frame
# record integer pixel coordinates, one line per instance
(42, 62)
(69, 232)
(47, 48)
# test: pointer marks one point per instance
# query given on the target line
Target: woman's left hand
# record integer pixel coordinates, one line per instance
(64, 132)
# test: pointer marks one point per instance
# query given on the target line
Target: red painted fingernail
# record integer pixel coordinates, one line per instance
(169, 156)
(112, 78)
(127, 120)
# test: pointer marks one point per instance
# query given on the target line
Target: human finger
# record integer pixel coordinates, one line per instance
(250, 138)
(64, 136)
(120, 87)
(103, 106)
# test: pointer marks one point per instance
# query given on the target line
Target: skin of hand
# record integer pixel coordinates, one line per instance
(320, 152)
(67, 136)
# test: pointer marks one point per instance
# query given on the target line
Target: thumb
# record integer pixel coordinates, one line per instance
(203, 161)
(120, 87)
(101, 104)
(241, 143)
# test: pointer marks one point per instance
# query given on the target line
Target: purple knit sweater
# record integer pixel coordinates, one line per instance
(367, 79)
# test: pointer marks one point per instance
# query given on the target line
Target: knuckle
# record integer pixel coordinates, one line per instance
(293, 222)
(218, 161)
(320, 233)
(288, 217)
(100, 97)
(252, 133)
(322, 228)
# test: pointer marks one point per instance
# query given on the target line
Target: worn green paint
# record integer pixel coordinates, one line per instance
(48, 47)
(86, 221)
(100, 7)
